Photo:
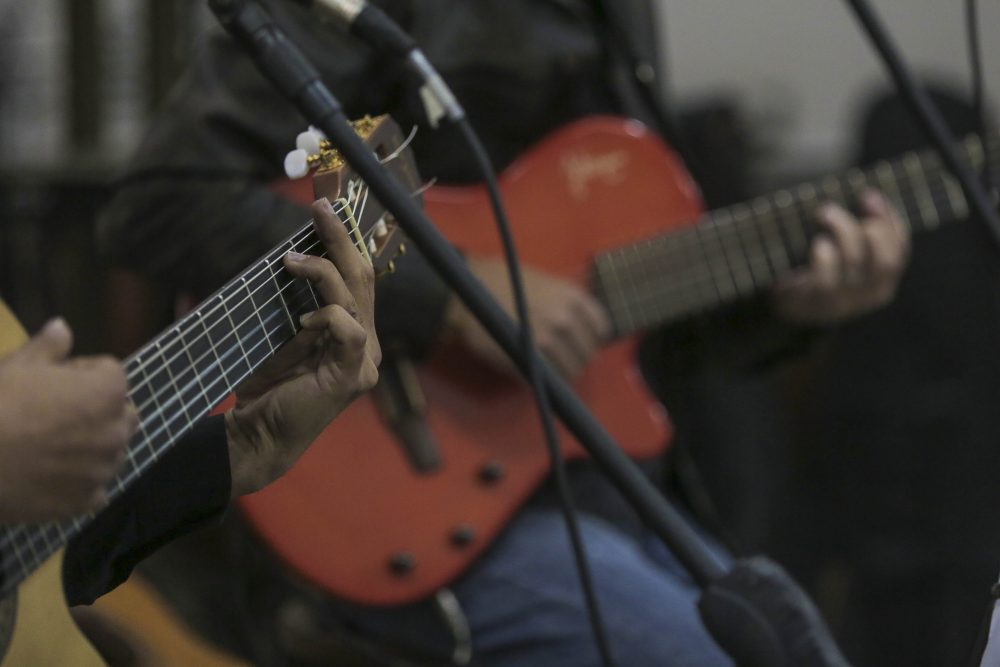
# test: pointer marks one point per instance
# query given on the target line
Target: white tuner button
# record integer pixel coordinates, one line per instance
(310, 141)
(297, 164)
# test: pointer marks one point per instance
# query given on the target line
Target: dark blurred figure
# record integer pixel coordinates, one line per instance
(904, 463)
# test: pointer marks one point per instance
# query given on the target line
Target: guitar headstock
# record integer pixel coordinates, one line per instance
(375, 231)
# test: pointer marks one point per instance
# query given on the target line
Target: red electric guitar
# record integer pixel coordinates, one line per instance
(602, 202)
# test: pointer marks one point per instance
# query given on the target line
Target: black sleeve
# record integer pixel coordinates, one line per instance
(187, 488)
(746, 337)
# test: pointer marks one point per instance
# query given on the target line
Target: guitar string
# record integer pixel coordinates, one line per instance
(11, 534)
(37, 535)
(773, 209)
(667, 294)
(902, 197)
(177, 393)
(936, 186)
(266, 265)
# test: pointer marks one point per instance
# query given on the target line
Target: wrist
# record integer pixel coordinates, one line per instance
(244, 443)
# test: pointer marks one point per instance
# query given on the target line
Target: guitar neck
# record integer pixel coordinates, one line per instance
(181, 375)
(738, 251)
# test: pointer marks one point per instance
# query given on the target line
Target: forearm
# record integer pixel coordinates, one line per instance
(187, 488)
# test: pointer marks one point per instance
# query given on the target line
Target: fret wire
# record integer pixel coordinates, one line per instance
(215, 351)
(155, 398)
(693, 246)
(306, 234)
(177, 392)
(42, 532)
(832, 189)
(907, 190)
(621, 291)
(929, 216)
(907, 196)
(674, 287)
(221, 308)
(733, 248)
(780, 255)
(274, 279)
(223, 305)
(727, 286)
(219, 359)
(634, 281)
(753, 245)
(193, 365)
(789, 223)
(142, 368)
(246, 286)
(670, 254)
(245, 374)
(631, 287)
(654, 264)
(226, 353)
(946, 185)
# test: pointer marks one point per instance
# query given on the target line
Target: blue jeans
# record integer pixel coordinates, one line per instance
(524, 607)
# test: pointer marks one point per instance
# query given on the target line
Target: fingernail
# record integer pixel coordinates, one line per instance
(295, 256)
(873, 199)
(306, 317)
(54, 325)
(825, 211)
(325, 205)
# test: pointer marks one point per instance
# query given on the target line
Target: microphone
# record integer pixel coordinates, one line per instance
(370, 24)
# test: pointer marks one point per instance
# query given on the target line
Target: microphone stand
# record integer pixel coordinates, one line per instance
(754, 610)
(928, 116)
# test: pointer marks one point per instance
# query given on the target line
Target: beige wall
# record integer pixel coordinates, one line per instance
(805, 63)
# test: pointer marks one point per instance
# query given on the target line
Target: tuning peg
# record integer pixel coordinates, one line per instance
(297, 164)
(311, 141)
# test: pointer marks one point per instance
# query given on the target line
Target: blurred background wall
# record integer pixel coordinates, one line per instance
(803, 66)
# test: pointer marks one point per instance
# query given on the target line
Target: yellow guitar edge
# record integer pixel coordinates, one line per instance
(44, 632)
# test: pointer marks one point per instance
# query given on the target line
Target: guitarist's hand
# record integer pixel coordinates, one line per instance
(568, 324)
(853, 269)
(64, 428)
(284, 406)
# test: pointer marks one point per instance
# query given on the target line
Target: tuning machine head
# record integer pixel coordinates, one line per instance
(312, 151)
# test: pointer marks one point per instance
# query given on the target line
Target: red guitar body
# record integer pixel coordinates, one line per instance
(353, 502)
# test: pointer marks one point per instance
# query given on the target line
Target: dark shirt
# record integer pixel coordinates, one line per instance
(193, 209)
(187, 488)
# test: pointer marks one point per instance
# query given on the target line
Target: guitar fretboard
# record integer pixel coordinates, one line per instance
(738, 251)
(181, 375)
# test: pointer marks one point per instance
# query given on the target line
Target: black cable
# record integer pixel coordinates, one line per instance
(376, 28)
(979, 93)
(566, 502)
(288, 69)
